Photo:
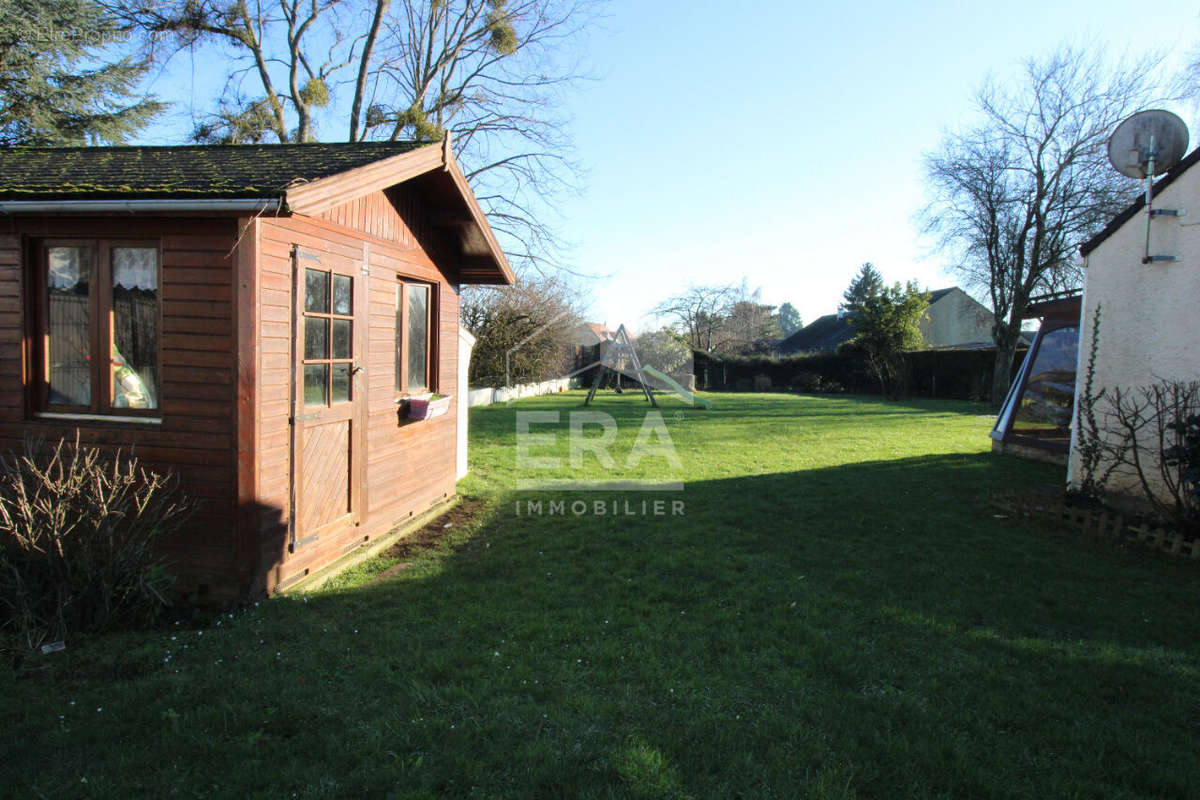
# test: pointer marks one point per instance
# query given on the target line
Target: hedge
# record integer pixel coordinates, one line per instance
(963, 374)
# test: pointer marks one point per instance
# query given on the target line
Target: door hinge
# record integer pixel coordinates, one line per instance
(302, 542)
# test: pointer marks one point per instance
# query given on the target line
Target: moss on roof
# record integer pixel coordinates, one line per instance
(191, 171)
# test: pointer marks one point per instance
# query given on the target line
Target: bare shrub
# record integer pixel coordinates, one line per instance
(78, 531)
(1155, 431)
(525, 333)
(1185, 456)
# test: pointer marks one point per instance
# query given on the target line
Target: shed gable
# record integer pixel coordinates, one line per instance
(399, 216)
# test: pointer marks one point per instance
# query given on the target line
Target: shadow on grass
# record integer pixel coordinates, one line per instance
(868, 629)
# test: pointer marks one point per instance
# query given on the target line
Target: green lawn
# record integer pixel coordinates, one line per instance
(837, 613)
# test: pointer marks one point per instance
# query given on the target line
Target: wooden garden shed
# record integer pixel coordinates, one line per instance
(255, 318)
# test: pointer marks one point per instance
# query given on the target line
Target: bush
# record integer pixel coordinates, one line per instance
(1155, 437)
(812, 383)
(1184, 456)
(77, 541)
(962, 374)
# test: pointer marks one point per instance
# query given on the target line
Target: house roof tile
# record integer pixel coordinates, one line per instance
(822, 335)
(188, 171)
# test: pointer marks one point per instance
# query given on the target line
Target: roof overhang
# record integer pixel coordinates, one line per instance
(240, 205)
(454, 209)
(1137, 205)
(1055, 309)
(480, 260)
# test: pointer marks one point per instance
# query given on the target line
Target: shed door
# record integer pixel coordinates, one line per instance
(327, 397)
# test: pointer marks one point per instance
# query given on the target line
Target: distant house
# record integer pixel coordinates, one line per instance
(822, 335)
(1149, 325)
(953, 319)
(590, 334)
(588, 345)
(593, 333)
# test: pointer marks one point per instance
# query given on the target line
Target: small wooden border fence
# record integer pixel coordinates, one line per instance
(1101, 524)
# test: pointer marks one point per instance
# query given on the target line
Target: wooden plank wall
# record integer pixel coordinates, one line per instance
(392, 216)
(197, 393)
(12, 345)
(408, 465)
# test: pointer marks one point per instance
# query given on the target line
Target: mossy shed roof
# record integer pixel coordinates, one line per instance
(189, 171)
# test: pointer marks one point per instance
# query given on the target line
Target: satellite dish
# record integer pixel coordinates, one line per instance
(1147, 144)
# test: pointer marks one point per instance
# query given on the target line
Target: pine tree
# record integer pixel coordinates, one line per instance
(56, 88)
(866, 285)
(887, 324)
(789, 319)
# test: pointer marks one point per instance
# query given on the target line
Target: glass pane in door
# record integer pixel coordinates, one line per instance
(341, 338)
(343, 294)
(316, 291)
(340, 385)
(316, 338)
(316, 384)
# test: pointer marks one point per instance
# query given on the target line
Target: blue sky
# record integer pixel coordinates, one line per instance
(776, 140)
(784, 143)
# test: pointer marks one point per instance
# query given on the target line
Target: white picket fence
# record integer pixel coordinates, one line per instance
(485, 397)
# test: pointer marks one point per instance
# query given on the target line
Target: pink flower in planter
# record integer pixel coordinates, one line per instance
(428, 406)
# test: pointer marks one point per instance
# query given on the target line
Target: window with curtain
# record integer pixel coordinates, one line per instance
(100, 329)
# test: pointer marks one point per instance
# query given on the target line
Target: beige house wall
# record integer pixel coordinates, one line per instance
(1150, 313)
(955, 319)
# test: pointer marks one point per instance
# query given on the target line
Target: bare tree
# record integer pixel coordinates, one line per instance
(699, 313)
(665, 350)
(524, 332)
(750, 326)
(725, 319)
(1016, 194)
(273, 44)
(492, 72)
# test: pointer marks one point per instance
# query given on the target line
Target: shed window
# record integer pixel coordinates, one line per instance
(414, 321)
(99, 326)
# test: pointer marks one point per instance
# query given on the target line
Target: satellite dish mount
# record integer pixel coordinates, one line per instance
(1145, 145)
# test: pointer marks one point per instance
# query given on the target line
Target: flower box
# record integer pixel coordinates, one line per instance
(428, 406)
